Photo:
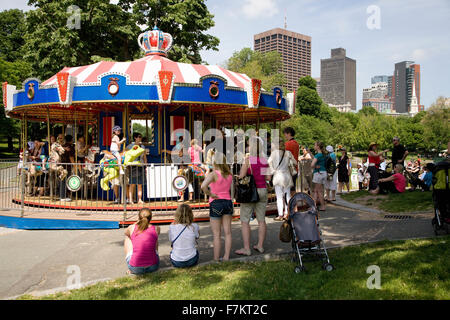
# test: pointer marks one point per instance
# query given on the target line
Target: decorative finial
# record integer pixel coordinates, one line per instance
(155, 42)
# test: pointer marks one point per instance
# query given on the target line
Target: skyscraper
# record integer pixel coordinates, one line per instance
(406, 87)
(295, 50)
(338, 79)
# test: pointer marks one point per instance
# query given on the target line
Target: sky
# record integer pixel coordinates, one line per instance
(376, 33)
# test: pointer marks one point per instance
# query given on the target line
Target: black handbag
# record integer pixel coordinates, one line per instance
(246, 190)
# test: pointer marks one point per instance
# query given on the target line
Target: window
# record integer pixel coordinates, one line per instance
(144, 124)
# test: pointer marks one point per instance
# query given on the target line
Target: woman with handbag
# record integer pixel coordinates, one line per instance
(258, 167)
(280, 162)
(183, 235)
(217, 186)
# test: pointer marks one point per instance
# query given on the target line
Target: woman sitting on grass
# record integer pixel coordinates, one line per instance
(394, 184)
(183, 235)
(141, 245)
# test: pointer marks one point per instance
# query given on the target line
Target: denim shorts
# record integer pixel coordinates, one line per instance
(142, 270)
(220, 207)
(186, 264)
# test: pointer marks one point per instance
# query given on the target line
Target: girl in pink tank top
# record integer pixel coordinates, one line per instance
(221, 187)
(141, 245)
(217, 186)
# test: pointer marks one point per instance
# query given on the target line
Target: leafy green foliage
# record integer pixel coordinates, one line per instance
(257, 65)
(309, 101)
(436, 125)
(108, 31)
(12, 29)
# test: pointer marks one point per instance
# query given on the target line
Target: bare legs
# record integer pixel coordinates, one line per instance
(131, 193)
(318, 195)
(216, 226)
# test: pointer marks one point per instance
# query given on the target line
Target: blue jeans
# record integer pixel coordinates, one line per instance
(142, 270)
(186, 264)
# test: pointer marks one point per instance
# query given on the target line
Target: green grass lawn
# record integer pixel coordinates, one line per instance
(413, 269)
(409, 201)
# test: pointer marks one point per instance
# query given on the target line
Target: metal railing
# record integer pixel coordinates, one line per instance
(89, 188)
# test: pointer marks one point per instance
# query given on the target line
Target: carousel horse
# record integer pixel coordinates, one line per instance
(56, 170)
(110, 167)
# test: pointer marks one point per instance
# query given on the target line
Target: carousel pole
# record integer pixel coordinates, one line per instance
(123, 178)
(49, 150)
(22, 175)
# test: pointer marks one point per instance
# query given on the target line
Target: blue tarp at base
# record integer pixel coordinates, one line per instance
(55, 224)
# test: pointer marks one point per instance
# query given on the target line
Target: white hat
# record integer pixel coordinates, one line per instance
(329, 149)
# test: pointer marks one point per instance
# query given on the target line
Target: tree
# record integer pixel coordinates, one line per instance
(309, 101)
(257, 65)
(309, 129)
(108, 31)
(185, 20)
(436, 124)
(12, 29)
(13, 73)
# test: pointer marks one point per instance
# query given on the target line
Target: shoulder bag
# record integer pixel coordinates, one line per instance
(246, 190)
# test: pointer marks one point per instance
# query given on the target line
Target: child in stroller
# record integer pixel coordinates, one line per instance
(441, 197)
(306, 235)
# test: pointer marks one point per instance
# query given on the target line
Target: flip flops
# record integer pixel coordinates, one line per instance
(243, 252)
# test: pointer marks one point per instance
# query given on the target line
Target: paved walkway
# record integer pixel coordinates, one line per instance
(37, 261)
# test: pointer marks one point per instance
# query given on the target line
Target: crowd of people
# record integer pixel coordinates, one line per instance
(376, 175)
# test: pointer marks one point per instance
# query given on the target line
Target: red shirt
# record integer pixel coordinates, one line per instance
(293, 147)
(400, 182)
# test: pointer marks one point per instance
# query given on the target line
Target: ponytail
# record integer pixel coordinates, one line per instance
(145, 216)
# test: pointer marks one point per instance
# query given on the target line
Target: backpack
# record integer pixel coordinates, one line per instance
(330, 166)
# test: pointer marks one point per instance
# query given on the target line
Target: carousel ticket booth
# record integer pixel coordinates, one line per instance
(153, 96)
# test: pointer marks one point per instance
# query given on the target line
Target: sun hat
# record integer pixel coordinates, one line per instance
(329, 149)
(116, 128)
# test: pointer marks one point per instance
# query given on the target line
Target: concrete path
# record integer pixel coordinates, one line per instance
(38, 261)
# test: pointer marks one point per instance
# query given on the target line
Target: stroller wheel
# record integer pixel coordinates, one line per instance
(328, 267)
(299, 269)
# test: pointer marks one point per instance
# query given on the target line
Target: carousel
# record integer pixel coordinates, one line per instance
(153, 96)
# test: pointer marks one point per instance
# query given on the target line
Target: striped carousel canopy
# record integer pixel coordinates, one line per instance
(145, 70)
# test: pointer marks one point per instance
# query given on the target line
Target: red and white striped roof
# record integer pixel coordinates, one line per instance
(144, 71)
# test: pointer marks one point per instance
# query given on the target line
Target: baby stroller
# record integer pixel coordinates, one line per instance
(306, 235)
(441, 197)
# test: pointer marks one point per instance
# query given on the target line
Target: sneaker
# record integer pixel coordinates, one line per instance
(117, 201)
(66, 200)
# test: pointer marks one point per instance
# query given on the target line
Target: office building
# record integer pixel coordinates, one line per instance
(317, 85)
(295, 50)
(378, 79)
(406, 87)
(338, 79)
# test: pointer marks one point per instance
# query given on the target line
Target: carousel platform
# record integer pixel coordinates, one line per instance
(42, 213)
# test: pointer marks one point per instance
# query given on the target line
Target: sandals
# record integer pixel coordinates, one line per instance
(278, 218)
(243, 252)
(260, 250)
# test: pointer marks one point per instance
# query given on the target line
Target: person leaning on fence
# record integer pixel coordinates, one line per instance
(141, 245)
(217, 185)
(183, 235)
(136, 172)
(279, 162)
(256, 165)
